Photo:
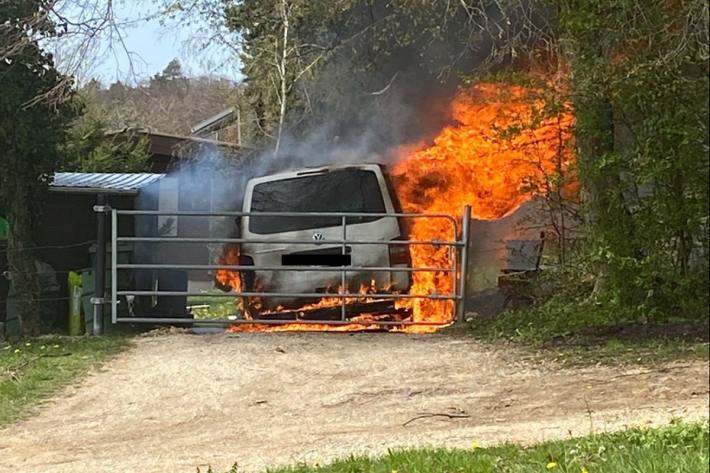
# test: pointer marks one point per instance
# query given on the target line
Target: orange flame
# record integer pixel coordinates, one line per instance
(497, 155)
(228, 279)
(499, 152)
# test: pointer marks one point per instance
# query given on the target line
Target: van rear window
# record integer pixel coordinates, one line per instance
(347, 190)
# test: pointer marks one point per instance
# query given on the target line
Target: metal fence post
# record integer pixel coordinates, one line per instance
(114, 266)
(100, 267)
(465, 227)
(343, 278)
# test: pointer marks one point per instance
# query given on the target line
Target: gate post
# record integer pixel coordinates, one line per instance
(465, 227)
(100, 268)
(343, 278)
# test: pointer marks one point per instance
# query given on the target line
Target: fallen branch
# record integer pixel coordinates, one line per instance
(436, 414)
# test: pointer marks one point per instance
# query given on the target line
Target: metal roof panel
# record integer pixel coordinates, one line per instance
(103, 182)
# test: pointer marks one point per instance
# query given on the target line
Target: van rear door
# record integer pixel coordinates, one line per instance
(360, 189)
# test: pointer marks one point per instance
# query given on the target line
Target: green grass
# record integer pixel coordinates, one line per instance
(32, 369)
(548, 321)
(215, 310)
(579, 333)
(621, 351)
(676, 448)
(213, 307)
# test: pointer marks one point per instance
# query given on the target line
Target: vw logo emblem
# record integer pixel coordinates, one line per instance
(318, 236)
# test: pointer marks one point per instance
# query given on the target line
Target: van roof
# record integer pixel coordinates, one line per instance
(316, 170)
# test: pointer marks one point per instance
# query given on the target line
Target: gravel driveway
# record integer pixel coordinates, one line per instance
(176, 401)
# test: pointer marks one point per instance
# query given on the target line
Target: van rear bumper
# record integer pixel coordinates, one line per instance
(291, 282)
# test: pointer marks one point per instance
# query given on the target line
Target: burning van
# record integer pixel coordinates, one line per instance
(316, 240)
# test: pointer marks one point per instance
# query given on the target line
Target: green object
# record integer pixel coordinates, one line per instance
(76, 324)
(4, 229)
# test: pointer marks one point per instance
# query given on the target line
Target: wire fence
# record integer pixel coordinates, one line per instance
(49, 247)
(58, 274)
(38, 299)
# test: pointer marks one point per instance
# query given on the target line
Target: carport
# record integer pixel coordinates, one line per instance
(66, 236)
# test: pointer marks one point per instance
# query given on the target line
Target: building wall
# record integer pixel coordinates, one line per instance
(508, 243)
(67, 228)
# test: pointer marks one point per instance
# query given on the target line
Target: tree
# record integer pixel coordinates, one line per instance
(637, 77)
(30, 132)
(275, 58)
(88, 149)
(353, 67)
(172, 71)
(172, 105)
(640, 88)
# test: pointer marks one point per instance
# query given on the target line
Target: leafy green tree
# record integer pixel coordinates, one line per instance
(172, 71)
(637, 78)
(88, 149)
(333, 63)
(640, 88)
(31, 130)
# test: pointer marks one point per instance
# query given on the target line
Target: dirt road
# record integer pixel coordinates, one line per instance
(177, 401)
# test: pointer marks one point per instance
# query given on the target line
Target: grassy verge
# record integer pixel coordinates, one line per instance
(642, 353)
(676, 448)
(33, 369)
(584, 334)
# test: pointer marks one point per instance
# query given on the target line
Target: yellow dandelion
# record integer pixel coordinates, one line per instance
(551, 465)
(584, 470)
(475, 445)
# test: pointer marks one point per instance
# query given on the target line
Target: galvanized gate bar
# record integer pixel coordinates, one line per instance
(173, 320)
(290, 242)
(202, 213)
(302, 295)
(285, 268)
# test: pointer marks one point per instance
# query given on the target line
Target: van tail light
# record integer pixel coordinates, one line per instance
(399, 254)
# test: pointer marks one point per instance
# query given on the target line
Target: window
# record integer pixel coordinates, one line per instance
(347, 190)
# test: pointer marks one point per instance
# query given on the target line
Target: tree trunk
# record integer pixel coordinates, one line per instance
(591, 55)
(23, 272)
(596, 142)
(282, 75)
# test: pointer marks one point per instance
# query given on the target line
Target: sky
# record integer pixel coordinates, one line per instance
(153, 45)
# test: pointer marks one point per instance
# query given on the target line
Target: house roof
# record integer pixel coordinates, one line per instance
(214, 120)
(102, 182)
(163, 146)
(171, 138)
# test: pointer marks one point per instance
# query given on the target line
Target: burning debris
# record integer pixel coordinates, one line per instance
(500, 151)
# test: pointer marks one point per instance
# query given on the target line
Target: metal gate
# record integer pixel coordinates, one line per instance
(457, 243)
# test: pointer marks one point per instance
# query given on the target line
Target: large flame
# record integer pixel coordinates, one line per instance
(500, 150)
(497, 155)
